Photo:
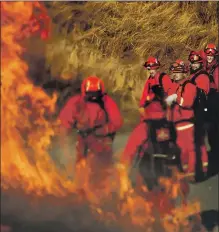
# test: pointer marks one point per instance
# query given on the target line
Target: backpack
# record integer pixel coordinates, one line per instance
(101, 103)
(158, 89)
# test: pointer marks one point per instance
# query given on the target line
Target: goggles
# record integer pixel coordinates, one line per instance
(151, 66)
(175, 67)
(211, 51)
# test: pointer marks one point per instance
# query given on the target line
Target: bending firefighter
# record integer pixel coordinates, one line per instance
(96, 118)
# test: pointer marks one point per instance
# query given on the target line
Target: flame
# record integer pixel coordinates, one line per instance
(27, 127)
(25, 132)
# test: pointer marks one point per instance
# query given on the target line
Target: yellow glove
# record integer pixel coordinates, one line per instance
(81, 126)
(141, 110)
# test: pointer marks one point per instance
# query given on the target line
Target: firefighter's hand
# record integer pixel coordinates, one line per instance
(82, 133)
(102, 131)
(81, 126)
(141, 111)
(170, 99)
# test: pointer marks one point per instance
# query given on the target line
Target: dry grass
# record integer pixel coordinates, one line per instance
(112, 39)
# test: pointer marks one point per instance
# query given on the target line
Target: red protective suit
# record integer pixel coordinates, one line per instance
(87, 115)
(154, 109)
(182, 116)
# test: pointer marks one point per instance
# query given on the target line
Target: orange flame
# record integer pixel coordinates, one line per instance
(25, 131)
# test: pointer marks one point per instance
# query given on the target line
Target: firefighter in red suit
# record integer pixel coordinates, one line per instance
(95, 117)
(156, 88)
(152, 107)
(212, 67)
(153, 131)
(198, 76)
(183, 118)
(197, 73)
(200, 79)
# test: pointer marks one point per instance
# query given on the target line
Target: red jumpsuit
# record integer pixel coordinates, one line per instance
(154, 109)
(87, 115)
(182, 117)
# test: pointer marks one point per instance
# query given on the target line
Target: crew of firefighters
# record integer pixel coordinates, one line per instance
(187, 99)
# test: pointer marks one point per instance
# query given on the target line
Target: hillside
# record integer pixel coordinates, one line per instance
(113, 39)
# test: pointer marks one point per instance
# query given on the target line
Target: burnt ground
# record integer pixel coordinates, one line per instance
(25, 214)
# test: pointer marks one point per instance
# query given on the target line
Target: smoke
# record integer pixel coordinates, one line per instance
(26, 213)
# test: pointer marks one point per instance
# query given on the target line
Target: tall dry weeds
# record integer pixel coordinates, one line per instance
(113, 39)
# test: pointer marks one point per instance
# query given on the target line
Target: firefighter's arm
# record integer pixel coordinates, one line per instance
(115, 120)
(66, 115)
(188, 97)
(145, 98)
(144, 95)
(169, 89)
(173, 88)
(167, 85)
(203, 82)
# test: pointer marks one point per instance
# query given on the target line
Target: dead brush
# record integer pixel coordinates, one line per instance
(113, 39)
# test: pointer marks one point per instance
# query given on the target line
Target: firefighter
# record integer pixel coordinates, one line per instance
(96, 118)
(152, 107)
(183, 118)
(156, 88)
(153, 128)
(200, 79)
(198, 76)
(212, 67)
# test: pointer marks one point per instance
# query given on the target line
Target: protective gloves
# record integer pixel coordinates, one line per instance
(170, 99)
(141, 111)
